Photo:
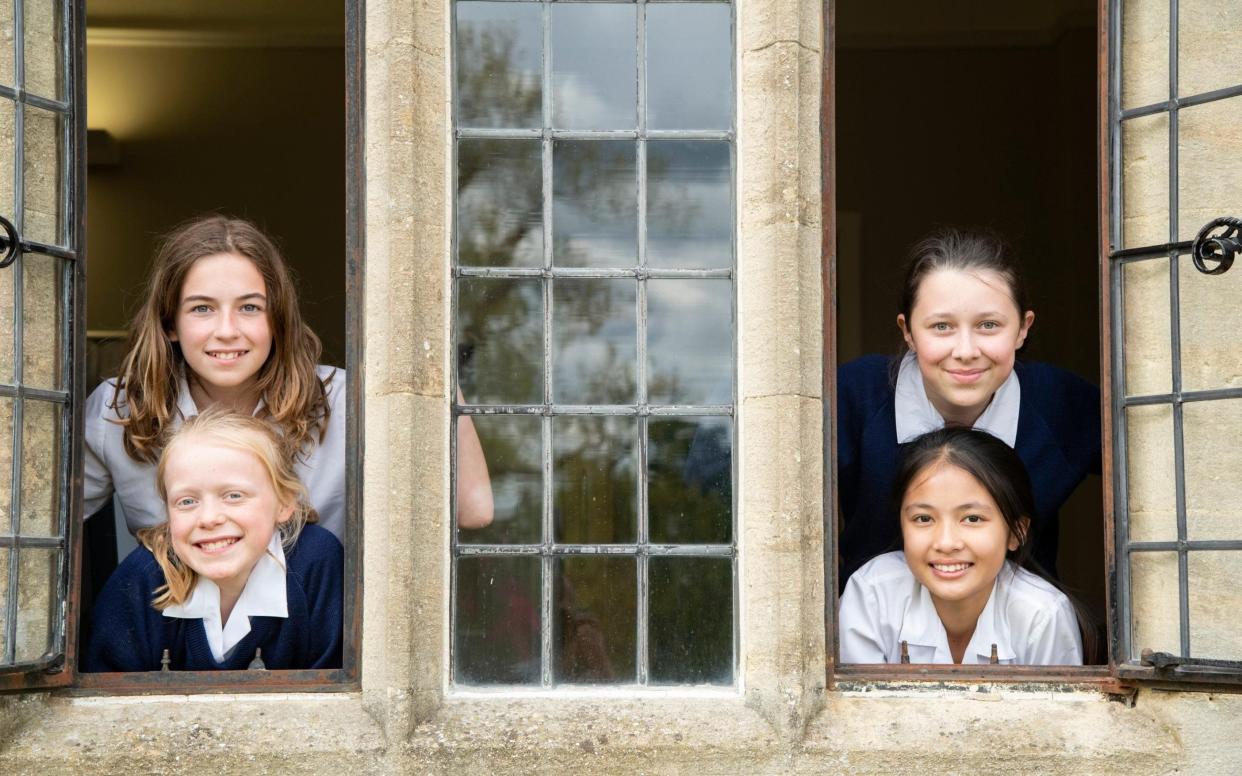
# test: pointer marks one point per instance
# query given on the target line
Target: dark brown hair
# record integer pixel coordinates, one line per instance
(963, 251)
(294, 397)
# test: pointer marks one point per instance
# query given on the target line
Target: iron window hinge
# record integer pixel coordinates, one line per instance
(1164, 661)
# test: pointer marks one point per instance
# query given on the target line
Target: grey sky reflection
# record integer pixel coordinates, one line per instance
(594, 66)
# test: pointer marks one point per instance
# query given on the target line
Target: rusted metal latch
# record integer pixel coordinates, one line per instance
(1163, 661)
(1221, 248)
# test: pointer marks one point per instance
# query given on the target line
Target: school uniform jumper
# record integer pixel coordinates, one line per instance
(108, 468)
(131, 635)
(1058, 439)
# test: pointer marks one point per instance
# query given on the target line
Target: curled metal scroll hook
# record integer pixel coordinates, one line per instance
(9, 242)
(1221, 248)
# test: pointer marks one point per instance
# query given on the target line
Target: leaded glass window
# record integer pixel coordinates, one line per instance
(594, 324)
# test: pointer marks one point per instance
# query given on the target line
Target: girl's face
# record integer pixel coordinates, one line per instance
(955, 537)
(222, 510)
(964, 330)
(222, 325)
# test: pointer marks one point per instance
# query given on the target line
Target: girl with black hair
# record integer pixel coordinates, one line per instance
(964, 588)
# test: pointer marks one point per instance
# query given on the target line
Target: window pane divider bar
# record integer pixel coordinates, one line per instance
(1181, 102)
(641, 272)
(547, 566)
(1186, 545)
(1175, 335)
(1184, 397)
(642, 610)
(42, 394)
(638, 549)
(21, 95)
(671, 410)
(38, 542)
(481, 133)
(1152, 251)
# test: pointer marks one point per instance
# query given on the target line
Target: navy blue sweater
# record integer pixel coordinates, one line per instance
(1058, 440)
(130, 635)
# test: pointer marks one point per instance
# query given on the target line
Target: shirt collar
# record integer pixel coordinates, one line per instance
(263, 596)
(921, 627)
(916, 415)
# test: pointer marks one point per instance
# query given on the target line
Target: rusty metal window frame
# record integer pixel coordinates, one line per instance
(348, 677)
(549, 550)
(1131, 660)
(49, 669)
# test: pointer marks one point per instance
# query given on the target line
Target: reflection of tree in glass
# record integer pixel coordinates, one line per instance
(596, 482)
(492, 89)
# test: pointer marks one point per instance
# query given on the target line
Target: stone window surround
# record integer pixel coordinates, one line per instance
(781, 715)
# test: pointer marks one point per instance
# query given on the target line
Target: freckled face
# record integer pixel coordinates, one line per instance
(954, 536)
(964, 330)
(222, 324)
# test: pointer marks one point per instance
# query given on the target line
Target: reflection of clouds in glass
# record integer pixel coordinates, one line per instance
(500, 340)
(689, 81)
(594, 203)
(595, 334)
(498, 64)
(689, 207)
(689, 342)
(500, 209)
(594, 66)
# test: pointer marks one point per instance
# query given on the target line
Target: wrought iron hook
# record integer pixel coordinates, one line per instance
(9, 242)
(1222, 248)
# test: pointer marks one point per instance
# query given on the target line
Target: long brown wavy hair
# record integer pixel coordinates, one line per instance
(247, 435)
(295, 398)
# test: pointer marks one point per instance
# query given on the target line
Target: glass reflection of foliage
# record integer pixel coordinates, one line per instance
(595, 203)
(500, 340)
(596, 620)
(499, 207)
(595, 341)
(496, 638)
(595, 474)
(514, 462)
(689, 484)
(690, 627)
(498, 75)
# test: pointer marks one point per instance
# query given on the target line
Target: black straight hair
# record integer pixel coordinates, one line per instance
(997, 467)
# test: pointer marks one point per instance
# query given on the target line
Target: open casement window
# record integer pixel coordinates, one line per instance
(1171, 135)
(41, 174)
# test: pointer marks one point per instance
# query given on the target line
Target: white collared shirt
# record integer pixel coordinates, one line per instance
(916, 415)
(263, 596)
(108, 468)
(1029, 620)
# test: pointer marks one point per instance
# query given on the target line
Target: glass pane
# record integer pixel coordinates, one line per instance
(1208, 162)
(1154, 610)
(1213, 469)
(596, 620)
(44, 159)
(1145, 181)
(594, 66)
(689, 341)
(1209, 308)
(594, 334)
(8, 51)
(500, 340)
(1144, 53)
(689, 73)
(39, 512)
(595, 460)
(1148, 347)
(499, 203)
(1208, 46)
(8, 146)
(499, 66)
(689, 210)
(42, 24)
(36, 599)
(1215, 599)
(513, 446)
(496, 636)
(6, 470)
(690, 480)
(1150, 473)
(42, 344)
(691, 625)
(594, 203)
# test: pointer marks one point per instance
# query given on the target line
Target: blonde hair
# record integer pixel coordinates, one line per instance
(246, 435)
(293, 395)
